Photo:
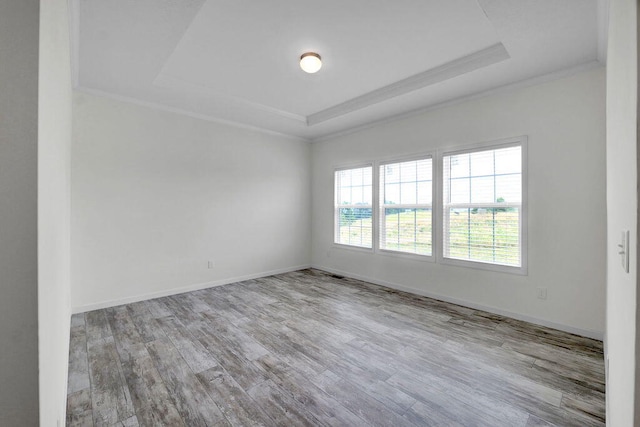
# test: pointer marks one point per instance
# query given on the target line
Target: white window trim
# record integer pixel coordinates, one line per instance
(373, 210)
(378, 230)
(437, 204)
(502, 143)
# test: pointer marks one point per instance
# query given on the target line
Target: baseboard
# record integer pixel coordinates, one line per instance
(542, 322)
(182, 289)
(174, 291)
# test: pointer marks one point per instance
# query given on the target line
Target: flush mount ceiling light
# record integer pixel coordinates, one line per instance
(310, 62)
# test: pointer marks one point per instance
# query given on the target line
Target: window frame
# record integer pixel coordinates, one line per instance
(520, 141)
(336, 221)
(379, 206)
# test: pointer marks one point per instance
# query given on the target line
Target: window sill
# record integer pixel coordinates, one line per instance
(406, 255)
(478, 265)
(352, 248)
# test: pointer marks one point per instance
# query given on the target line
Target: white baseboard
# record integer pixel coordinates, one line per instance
(542, 322)
(174, 291)
(182, 289)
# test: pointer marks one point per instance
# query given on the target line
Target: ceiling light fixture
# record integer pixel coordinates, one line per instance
(310, 62)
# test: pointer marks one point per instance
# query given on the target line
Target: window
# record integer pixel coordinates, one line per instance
(476, 196)
(482, 205)
(406, 206)
(354, 207)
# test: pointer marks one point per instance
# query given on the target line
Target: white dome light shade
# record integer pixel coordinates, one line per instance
(310, 62)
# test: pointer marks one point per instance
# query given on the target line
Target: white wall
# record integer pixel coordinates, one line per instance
(565, 123)
(18, 212)
(54, 142)
(156, 195)
(622, 199)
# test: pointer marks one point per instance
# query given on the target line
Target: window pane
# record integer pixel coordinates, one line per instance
(354, 223)
(357, 195)
(424, 192)
(367, 195)
(509, 160)
(481, 163)
(458, 166)
(392, 194)
(345, 178)
(355, 226)
(458, 233)
(366, 236)
(407, 230)
(367, 176)
(343, 190)
(483, 230)
(408, 193)
(484, 234)
(424, 170)
(356, 177)
(390, 173)
(406, 182)
(460, 190)
(508, 188)
(408, 171)
(482, 190)
(423, 231)
(507, 236)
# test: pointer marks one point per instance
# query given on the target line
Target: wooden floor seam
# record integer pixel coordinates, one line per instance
(310, 348)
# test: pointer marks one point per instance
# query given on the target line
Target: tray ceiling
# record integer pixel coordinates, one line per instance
(238, 61)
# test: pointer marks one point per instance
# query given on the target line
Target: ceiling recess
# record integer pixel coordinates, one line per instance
(198, 57)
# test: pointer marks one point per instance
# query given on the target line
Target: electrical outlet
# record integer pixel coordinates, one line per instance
(542, 293)
(210, 265)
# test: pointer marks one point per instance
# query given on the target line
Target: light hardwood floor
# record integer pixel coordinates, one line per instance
(310, 348)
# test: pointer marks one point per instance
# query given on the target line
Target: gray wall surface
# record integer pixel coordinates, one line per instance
(19, 22)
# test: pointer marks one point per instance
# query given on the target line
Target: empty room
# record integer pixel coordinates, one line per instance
(286, 213)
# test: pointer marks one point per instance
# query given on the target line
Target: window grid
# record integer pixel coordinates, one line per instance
(502, 240)
(405, 218)
(353, 207)
(502, 246)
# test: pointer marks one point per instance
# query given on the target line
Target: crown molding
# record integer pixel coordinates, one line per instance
(482, 58)
(175, 83)
(331, 136)
(301, 128)
(556, 75)
(165, 108)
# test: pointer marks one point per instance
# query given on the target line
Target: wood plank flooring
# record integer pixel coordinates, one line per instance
(312, 349)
